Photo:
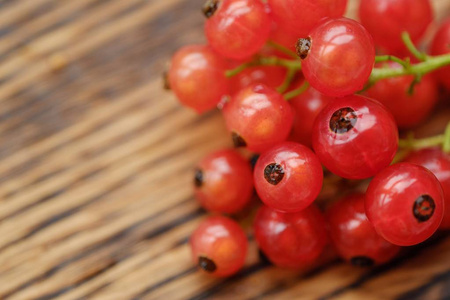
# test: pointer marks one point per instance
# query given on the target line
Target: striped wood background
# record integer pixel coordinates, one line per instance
(96, 163)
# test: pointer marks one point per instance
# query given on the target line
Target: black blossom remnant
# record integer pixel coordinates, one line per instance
(210, 7)
(238, 141)
(303, 47)
(273, 173)
(198, 178)
(362, 261)
(206, 264)
(423, 208)
(343, 120)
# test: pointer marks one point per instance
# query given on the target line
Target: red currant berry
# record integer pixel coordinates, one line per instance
(236, 28)
(301, 16)
(306, 107)
(197, 76)
(440, 45)
(224, 182)
(404, 203)
(408, 109)
(271, 76)
(288, 177)
(355, 137)
(219, 246)
(438, 162)
(338, 57)
(387, 19)
(354, 237)
(290, 240)
(258, 117)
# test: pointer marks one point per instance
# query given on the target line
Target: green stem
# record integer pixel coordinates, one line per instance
(287, 81)
(416, 144)
(431, 64)
(400, 61)
(406, 38)
(283, 49)
(266, 61)
(296, 92)
(446, 143)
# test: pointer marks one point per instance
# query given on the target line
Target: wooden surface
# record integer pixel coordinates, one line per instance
(96, 167)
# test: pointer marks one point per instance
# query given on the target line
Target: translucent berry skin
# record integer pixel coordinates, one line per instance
(341, 58)
(387, 19)
(197, 76)
(296, 177)
(399, 207)
(439, 46)
(299, 17)
(224, 182)
(408, 110)
(355, 137)
(270, 76)
(354, 237)
(306, 107)
(259, 116)
(239, 28)
(290, 240)
(438, 162)
(219, 246)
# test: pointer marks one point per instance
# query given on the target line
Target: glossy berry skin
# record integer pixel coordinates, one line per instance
(219, 246)
(288, 177)
(290, 240)
(355, 137)
(408, 110)
(341, 57)
(354, 237)
(439, 46)
(404, 203)
(387, 19)
(299, 17)
(306, 107)
(197, 76)
(438, 162)
(238, 28)
(224, 182)
(258, 117)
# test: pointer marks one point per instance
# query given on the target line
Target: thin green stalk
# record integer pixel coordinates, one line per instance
(406, 38)
(287, 81)
(296, 92)
(283, 49)
(446, 143)
(416, 144)
(393, 58)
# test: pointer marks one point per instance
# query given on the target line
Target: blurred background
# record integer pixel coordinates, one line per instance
(96, 166)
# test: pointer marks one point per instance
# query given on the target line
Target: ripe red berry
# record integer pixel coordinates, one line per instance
(236, 28)
(306, 107)
(440, 45)
(438, 162)
(338, 57)
(271, 76)
(355, 137)
(224, 182)
(404, 203)
(288, 177)
(408, 109)
(197, 76)
(219, 246)
(258, 117)
(387, 19)
(354, 237)
(299, 17)
(290, 240)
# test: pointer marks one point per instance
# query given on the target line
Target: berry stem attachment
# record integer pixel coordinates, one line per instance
(292, 94)
(294, 65)
(406, 38)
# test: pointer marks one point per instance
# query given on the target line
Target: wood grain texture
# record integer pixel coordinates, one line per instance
(96, 163)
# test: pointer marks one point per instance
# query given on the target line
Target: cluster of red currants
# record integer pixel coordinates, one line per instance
(287, 76)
